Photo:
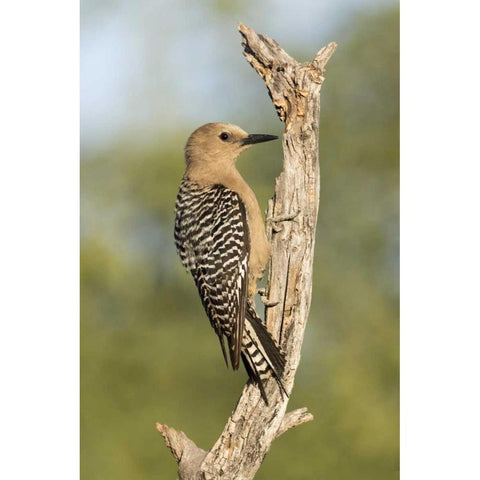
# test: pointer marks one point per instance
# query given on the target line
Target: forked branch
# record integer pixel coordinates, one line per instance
(295, 92)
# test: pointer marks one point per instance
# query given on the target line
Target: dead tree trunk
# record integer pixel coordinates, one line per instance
(292, 216)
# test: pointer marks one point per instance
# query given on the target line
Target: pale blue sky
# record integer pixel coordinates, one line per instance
(151, 65)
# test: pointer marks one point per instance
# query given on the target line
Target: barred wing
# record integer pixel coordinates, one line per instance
(212, 239)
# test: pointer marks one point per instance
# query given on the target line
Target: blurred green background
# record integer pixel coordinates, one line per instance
(151, 73)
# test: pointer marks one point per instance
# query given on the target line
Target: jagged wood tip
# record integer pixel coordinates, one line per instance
(323, 56)
(279, 70)
(178, 443)
(262, 47)
(294, 419)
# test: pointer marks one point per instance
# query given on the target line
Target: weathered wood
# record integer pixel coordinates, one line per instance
(291, 221)
(188, 456)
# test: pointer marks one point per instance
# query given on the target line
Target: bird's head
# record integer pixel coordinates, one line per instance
(219, 144)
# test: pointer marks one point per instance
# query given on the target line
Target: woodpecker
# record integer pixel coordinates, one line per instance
(220, 238)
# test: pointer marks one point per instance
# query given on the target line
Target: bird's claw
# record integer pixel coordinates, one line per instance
(281, 218)
(268, 303)
(265, 300)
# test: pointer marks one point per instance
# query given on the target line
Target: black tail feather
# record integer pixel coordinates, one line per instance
(276, 357)
(254, 376)
(261, 355)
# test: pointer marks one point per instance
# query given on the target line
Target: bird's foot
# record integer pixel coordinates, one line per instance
(265, 300)
(281, 218)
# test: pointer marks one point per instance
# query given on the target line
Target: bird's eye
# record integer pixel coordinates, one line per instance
(224, 136)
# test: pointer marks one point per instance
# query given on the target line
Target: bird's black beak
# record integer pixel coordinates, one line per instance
(257, 138)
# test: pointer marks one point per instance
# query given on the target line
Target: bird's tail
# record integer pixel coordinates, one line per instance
(261, 355)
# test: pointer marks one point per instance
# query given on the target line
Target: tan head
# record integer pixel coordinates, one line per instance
(218, 145)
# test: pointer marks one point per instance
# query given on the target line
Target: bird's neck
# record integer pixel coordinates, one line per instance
(227, 175)
(206, 173)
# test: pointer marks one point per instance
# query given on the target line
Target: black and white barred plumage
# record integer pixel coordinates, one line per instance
(213, 242)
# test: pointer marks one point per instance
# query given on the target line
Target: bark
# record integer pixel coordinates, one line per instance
(291, 222)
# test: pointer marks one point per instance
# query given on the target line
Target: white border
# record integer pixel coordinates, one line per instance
(39, 201)
(439, 241)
